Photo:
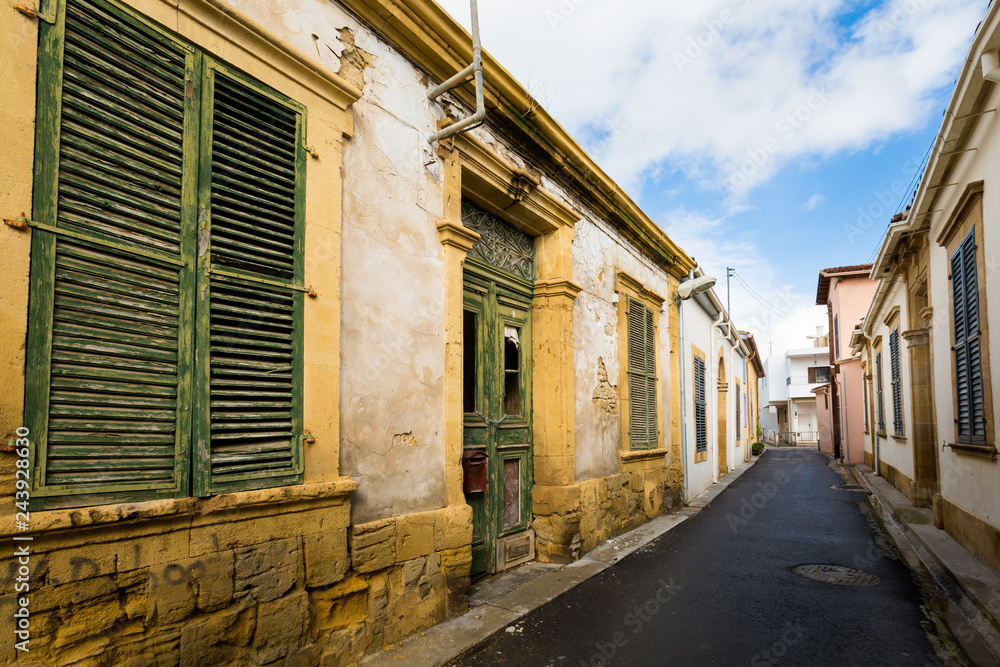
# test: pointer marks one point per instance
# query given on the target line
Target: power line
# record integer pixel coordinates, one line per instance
(899, 207)
(758, 297)
(777, 312)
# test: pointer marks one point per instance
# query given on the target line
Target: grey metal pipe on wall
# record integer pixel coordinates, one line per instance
(476, 70)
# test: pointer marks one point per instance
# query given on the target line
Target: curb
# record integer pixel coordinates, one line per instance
(446, 641)
(964, 580)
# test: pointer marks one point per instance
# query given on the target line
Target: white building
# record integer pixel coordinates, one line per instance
(787, 398)
(932, 363)
(714, 357)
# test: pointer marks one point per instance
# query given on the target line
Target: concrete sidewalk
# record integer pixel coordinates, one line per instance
(511, 596)
(968, 584)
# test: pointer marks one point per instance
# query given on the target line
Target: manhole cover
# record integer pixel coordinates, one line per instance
(836, 574)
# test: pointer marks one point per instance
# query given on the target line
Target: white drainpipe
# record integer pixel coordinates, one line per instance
(475, 70)
(684, 436)
(725, 447)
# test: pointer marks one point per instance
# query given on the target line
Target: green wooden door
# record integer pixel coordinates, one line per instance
(497, 408)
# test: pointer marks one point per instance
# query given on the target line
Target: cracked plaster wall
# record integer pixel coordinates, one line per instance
(599, 252)
(392, 285)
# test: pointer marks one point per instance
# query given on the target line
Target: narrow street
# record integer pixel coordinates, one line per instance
(720, 588)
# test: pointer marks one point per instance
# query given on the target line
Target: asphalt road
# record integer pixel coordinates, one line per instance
(719, 589)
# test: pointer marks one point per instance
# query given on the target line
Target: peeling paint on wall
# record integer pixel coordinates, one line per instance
(353, 59)
(605, 393)
(403, 440)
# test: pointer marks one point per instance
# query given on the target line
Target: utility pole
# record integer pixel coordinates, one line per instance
(729, 302)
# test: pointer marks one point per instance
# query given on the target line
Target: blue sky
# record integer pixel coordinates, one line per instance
(757, 133)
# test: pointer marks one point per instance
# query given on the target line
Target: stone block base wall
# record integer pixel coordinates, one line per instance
(902, 483)
(980, 538)
(572, 520)
(257, 578)
(408, 574)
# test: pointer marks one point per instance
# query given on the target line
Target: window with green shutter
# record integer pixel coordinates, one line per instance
(643, 429)
(970, 417)
(164, 345)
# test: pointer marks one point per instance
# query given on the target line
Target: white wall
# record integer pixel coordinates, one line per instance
(697, 333)
(897, 452)
(773, 387)
(599, 252)
(799, 363)
(392, 335)
(802, 413)
(971, 483)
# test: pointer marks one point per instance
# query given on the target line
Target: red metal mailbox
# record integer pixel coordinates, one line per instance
(474, 470)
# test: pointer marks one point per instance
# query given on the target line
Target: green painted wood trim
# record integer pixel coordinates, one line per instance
(498, 301)
(250, 278)
(298, 305)
(205, 483)
(188, 308)
(265, 90)
(48, 112)
(201, 457)
(649, 351)
(488, 272)
(96, 240)
(44, 241)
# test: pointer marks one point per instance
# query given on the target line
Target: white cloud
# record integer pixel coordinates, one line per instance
(725, 93)
(813, 202)
(728, 90)
(777, 313)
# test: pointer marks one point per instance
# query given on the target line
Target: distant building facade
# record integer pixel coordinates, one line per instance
(794, 418)
(846, 292)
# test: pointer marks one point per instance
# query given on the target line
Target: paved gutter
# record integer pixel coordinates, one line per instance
(447, 641)
(973, 588)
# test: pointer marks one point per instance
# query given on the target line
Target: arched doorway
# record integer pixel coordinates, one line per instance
(723, 414)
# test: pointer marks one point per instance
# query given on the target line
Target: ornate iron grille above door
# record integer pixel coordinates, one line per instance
(501, 244)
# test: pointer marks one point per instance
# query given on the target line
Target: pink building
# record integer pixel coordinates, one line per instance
(846, 292)
(824, 418)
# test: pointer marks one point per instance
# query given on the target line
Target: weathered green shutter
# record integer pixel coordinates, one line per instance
(700, 415)
(643, 431)
(897, 384)
(652, 427)
(108, 392)
(971, 416)
(250, 294)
